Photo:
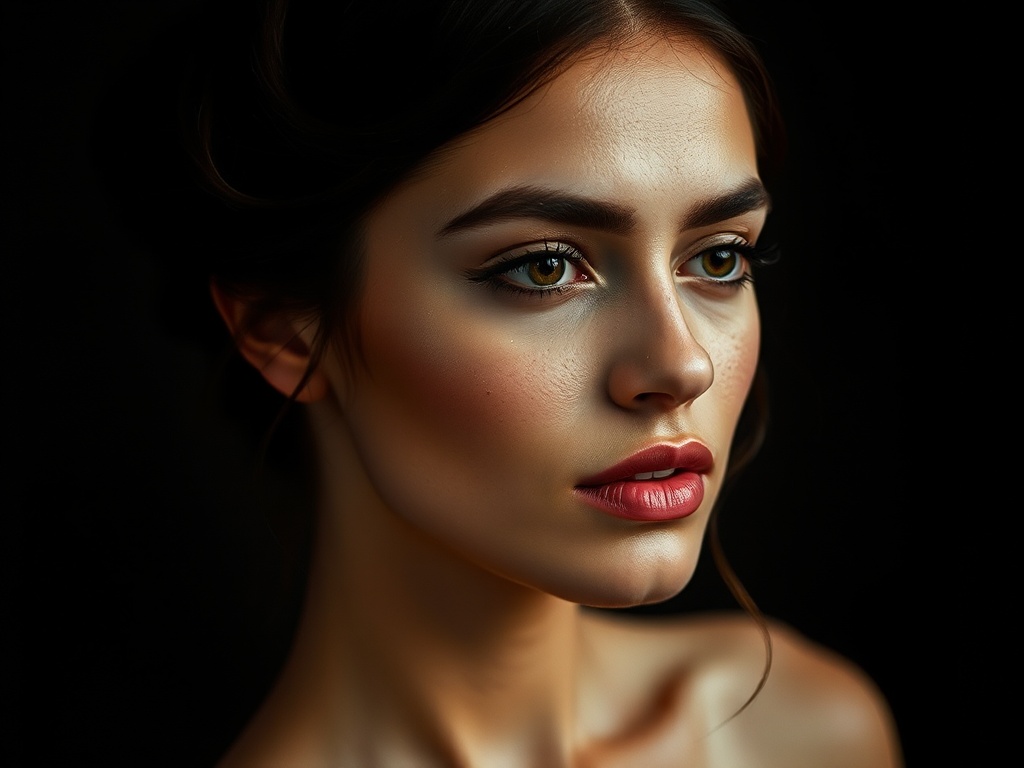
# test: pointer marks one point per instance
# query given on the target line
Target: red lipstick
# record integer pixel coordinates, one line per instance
(663, 482)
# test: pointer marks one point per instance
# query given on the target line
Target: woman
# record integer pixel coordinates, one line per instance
(500, 255)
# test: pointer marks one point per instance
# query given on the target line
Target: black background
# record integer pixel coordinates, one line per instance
(149, 609)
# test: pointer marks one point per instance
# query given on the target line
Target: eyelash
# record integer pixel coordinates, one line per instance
(495, 276)
(755, 256)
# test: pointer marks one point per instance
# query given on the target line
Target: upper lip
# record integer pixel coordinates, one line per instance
(691, 455)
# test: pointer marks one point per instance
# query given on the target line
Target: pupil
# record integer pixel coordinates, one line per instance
(720, 263)
(547, 271)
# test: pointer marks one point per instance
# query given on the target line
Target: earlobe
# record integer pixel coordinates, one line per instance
(274, 345)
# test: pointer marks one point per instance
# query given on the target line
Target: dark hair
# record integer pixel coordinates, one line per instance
(298, 121)
(297, 116)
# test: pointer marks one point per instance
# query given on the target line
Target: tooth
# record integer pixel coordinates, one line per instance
(643, 475)
(663, 472)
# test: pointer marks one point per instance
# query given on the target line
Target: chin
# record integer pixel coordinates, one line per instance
(643, 581)
(622, 599)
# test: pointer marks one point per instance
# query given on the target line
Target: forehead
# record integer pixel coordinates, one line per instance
(656, 84)
(655, 115)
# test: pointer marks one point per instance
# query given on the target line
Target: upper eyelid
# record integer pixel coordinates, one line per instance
(509, 258)
(732, 241)
(754, 253)
(539, 247)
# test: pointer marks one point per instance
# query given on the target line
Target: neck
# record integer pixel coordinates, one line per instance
(409, 644)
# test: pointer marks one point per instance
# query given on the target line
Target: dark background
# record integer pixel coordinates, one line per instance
(144, 562)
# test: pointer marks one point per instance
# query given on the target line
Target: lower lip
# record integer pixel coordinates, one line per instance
(670, 498)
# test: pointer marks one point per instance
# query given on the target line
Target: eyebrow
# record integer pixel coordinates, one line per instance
(748, 196)
(547, 205)
(529, 202)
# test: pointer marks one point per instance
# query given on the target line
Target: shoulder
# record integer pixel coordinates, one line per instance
(817, 704)
(815, 708)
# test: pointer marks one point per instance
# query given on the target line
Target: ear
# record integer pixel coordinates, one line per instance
(274, 345)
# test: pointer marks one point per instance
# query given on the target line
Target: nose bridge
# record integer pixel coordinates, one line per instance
(659, 362)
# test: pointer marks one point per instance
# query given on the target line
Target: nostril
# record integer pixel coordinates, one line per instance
(657, 399)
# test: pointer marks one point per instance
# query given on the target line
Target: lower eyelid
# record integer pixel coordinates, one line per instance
(516, 289)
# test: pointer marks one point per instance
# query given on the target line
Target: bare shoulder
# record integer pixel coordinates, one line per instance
(821, 704)
(815, 708)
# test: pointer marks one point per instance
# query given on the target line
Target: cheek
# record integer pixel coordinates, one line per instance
(464, 380)
(735, 358)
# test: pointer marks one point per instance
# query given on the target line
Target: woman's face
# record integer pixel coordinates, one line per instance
(554, 310)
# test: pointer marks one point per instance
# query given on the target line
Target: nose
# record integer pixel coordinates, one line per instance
(658, 364)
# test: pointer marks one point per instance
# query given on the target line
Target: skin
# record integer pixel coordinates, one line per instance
(443, 623)
(492, 407)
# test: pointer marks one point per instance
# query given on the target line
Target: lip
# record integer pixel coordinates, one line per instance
(616, 491)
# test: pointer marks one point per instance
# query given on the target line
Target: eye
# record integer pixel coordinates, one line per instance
(543, 272)
(538, 269)
(724, 263)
